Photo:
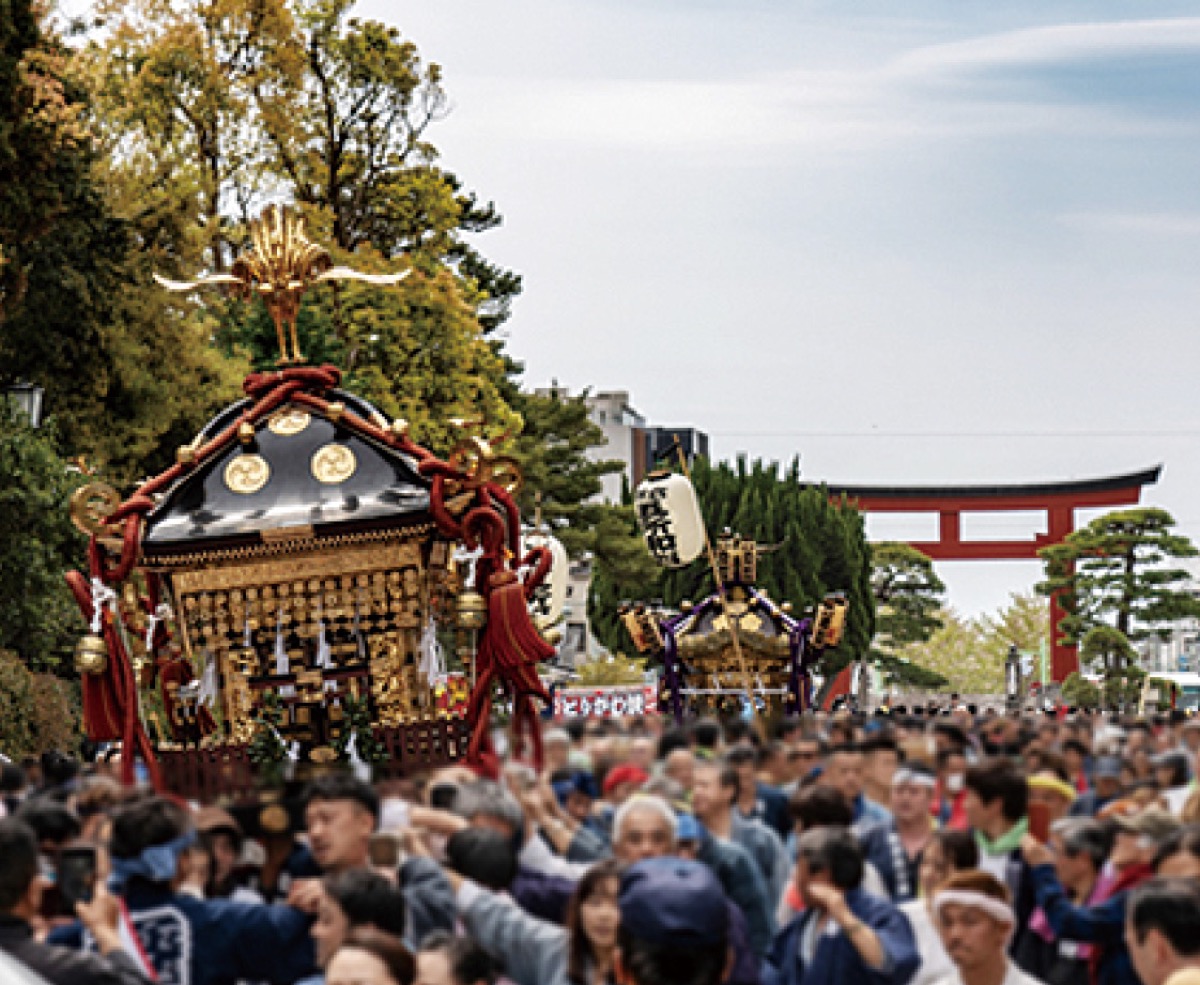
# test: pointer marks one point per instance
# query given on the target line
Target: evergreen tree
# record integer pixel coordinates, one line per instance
(908, 594)
(1117, 571)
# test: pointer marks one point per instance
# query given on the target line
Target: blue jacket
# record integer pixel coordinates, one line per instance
(837, 961)
(212, 942)
(883, 848)
(743, 884)
(771, 808)
(1102, 925)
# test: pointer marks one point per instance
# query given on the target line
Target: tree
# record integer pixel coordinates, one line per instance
(43, 148)
(38, 712)
(77, 318)
(908, 595)
(1079, 692)
(1024, 623)
(234, 101)
(1108, 651)
(39, 620)
(1116, 571)
(957, 653)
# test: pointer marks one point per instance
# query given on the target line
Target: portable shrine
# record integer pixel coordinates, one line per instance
(737, 644)
(290, 588)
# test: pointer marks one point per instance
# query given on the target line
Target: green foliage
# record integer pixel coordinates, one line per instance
(357, 725)
(78, 319)
(267, 749)
(956, 653)
(1108, 651)
(16, 706)
(1116, 570)
(611, 670)
(44, 156)
(38, 618)
(38, 712)
(970, 653)
(908, 595)
(560, 480)
(1079, 692)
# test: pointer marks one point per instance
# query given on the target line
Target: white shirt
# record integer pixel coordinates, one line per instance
(935, 962)
(1014, 976)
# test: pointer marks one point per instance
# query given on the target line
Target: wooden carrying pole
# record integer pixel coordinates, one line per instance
(730, 620)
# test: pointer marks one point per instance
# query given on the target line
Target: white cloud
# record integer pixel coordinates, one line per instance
(1153, 223)
(998, 85)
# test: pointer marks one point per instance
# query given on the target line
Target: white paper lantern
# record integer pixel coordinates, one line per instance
(548, 600)
(669, 516)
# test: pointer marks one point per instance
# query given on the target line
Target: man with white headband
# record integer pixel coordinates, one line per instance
(895, 848)
(976, 921)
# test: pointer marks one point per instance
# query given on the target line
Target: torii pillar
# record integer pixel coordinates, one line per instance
(1057, 500)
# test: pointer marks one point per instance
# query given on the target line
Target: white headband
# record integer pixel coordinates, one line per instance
(997, 909)
(916, 777)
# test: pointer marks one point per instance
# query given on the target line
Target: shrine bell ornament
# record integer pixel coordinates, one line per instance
(669, 515)
(550, 598)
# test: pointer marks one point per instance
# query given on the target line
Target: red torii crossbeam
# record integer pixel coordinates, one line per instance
(1058, 500)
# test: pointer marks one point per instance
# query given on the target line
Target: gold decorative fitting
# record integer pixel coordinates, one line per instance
(186, 455)
(288, 421)
(476, 457)
(245, 432)
(91, 655)
(400, 427)
(472, 610)
(281, 266)
(273, 819)
(247, 474)
(91, 505)
(333, 464)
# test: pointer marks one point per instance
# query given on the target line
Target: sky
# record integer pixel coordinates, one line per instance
(912, 243)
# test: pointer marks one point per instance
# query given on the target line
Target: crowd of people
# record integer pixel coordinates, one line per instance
(967, 848)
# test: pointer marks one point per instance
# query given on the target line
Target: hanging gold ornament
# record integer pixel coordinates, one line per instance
(91, 655)
(472, 610)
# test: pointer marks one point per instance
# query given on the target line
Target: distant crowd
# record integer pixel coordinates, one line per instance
(894, 849)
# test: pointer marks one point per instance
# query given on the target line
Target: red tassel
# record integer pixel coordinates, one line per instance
(510, 651)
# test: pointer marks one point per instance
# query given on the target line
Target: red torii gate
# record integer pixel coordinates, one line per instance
(1058, 500)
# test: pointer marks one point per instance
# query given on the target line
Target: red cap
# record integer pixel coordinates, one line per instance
(625, 773)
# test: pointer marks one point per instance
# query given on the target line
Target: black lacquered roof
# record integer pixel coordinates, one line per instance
(201, 510)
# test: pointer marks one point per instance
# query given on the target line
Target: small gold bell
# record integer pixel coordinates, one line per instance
(91, 655)
(472, 610)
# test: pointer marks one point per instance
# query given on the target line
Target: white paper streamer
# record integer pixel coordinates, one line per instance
(102, 595)
(357, 764)
(282, 664)
(161, 612)
(432, 664)
(472, 558)
(208, 682)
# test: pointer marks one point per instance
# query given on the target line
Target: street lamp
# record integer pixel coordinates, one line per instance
(1012, 680)
(26, 398)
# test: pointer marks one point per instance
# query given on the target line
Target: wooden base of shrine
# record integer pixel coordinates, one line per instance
(225, 774)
